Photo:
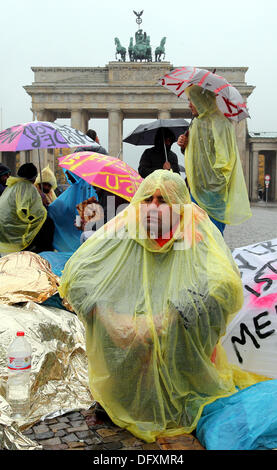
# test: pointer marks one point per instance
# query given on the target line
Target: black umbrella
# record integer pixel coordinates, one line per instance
(145, 134)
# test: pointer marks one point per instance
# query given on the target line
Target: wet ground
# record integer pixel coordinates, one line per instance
(87, 430)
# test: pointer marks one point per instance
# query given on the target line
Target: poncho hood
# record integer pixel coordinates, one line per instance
(203, 100)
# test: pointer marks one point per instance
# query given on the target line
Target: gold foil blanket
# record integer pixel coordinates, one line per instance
(59, 374)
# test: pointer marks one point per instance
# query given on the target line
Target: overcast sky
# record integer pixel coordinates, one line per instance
(81, 33)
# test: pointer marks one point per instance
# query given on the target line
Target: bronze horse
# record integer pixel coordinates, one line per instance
(159, 51)
(120, 50)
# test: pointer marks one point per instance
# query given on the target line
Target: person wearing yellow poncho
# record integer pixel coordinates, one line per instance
(48, 182)
(212, 162)
(22, 214)
(155, 288)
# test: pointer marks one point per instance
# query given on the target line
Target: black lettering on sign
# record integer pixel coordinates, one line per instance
(258, 278)
(260, 273)
(245, 264)
(245, 330)
(257, 294)
(242, 340)
(267, 245)
(259, 327)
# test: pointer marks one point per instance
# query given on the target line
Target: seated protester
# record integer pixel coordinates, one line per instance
(154, 158)
(22, 213)
(96, 147)
(5, 172)
(155, 288)
(47, 186)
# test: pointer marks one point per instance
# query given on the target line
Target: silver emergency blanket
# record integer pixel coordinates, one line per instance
(59, 374)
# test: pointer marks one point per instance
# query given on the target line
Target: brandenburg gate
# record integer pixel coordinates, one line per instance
(129, 89)
(120, 90)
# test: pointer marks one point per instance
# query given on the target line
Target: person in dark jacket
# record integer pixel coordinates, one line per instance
(5, 172)
(155, 158)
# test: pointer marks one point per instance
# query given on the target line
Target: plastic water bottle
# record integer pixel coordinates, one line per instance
(19, 368)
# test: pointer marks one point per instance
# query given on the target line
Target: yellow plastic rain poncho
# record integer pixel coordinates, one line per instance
(47, 176)
(212, 162)
(21, 214)
(154, 313)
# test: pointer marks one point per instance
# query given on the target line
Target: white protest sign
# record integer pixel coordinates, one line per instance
(251, 338)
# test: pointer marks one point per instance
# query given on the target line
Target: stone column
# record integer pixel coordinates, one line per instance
(77, 119)
(163, 114)
(115, 133)
(85, 120)
(254, 175)
(45, 115)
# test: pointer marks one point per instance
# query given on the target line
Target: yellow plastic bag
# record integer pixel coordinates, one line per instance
(212, 162)
(154, 313)
(21, 214)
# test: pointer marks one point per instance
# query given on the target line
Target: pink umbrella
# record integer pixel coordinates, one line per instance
(42, 134)
(103, 171)
(229, 100)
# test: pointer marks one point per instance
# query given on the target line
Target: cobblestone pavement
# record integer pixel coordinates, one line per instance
(260, 227)
(82, 430)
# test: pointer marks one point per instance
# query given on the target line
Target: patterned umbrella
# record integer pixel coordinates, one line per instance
(41, 134)
(229, 100)
(103, 171)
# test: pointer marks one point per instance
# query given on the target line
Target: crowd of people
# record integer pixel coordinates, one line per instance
(156, 285)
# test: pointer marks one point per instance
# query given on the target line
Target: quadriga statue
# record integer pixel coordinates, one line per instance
(142, 48)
